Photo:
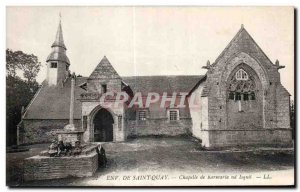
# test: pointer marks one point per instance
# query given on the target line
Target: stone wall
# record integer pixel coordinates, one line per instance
(158, 127)
(41, 167)
(157, 122)
(91, 108)
(42, 131)
(283, 107)
(260, 124)
(262, 137)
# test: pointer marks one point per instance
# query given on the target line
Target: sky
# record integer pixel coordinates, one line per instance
(151, 40)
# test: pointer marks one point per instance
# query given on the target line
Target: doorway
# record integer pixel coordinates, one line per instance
(103, 126)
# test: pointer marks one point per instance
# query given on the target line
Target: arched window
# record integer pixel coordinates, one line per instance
(241, 75)
(241, 86)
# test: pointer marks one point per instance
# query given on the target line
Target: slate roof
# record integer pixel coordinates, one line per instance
(58, 56)
(58, 48)
(53, 102)
(160, 84)
(59, 39)
(104, 70)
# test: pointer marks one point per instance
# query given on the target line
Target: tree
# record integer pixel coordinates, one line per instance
(28, 63)
(19, 92)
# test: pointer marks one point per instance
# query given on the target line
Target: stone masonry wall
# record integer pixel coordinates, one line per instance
(158, 127)
(265, 137)
(157, 122)
(42, 131)
(243, 50)
(41, 168)
(283, 110)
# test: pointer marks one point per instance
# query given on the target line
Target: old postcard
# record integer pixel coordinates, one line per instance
(150, 96)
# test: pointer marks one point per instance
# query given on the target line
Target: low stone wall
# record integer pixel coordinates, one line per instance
(262, 137)
(42, 167)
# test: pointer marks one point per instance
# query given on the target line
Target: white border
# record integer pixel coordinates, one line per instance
(110, 3)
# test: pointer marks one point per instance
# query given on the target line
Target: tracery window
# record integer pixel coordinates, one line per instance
(241, 87)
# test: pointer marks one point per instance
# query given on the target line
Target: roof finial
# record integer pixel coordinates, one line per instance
(278, 66)
(242, 26)
(207, 65)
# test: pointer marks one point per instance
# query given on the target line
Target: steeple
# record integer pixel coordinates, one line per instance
(57, 62)
(59, 40)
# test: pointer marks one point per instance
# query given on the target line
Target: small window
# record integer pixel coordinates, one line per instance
(53, 65)
(142, 115)
(173, 116)
(241, 75)
(104, 88)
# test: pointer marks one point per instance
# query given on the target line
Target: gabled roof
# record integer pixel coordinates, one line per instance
(53, 102)
(243, 42)
(203, 79)
(160, 84)
(104, 70)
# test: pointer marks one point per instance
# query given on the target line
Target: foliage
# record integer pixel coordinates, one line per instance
(19, 92)
(28, 63)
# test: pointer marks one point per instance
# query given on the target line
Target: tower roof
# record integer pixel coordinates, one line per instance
(104, 70)
(59, 40)
(58, 48)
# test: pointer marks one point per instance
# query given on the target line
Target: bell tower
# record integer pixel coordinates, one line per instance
(57, 62)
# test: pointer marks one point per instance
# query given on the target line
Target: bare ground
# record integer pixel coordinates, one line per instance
(142, 155)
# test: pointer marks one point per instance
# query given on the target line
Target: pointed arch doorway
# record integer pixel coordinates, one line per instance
(103, 126)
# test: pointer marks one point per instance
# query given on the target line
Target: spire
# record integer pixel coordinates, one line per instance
(59, 40)
(58, 47)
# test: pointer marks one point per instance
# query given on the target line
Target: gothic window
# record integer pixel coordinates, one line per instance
(241, 87)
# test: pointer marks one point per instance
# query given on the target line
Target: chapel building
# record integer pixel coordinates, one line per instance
(239, 101)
